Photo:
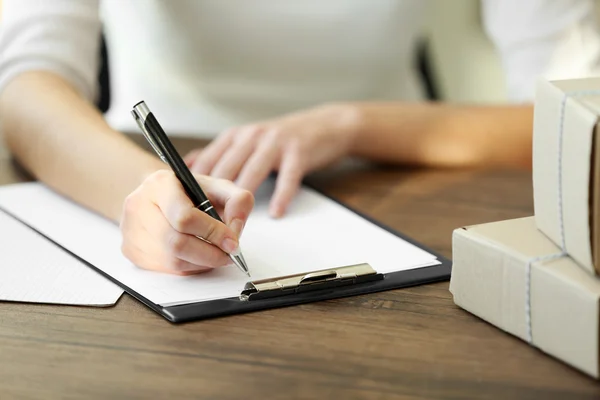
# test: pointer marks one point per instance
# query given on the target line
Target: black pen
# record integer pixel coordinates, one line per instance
(161, 144)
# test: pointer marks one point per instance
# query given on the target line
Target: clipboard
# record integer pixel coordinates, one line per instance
(283, 291)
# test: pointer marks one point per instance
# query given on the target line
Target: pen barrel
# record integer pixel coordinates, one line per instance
(189, 183)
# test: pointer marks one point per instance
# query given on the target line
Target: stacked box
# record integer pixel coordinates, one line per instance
(536, 277)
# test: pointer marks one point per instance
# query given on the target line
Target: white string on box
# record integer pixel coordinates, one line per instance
(561, 225)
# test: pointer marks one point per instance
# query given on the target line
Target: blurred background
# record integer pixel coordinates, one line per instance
(461, 59)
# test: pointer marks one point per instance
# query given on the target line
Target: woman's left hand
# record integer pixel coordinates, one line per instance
(293, 145)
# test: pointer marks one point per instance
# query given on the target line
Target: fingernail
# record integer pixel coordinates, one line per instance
(275, 212)
(229, 245)
(237, 225)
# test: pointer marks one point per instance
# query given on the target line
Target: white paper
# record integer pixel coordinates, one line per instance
(316, 233)
(33, 269)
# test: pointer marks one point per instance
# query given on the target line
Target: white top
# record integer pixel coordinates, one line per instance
(202, 66)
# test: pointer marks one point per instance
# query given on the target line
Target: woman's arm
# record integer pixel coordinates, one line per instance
(399, 133)
(48, 71)
(49, 54)
(64, 141)
(443, 135)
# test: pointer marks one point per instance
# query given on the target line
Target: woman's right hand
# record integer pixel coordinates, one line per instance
(161, 229)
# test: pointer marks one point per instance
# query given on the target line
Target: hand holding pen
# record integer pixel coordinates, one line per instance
(168, 224)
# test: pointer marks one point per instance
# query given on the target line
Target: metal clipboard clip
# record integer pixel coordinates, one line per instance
(316, 280)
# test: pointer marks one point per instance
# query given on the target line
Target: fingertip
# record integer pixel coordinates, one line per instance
(281, 200)
(191, 157)
(285, 190)
(224, 262)
(247, 202)
(237, 225)
(276, 211)
(202, 270)
(229, 245)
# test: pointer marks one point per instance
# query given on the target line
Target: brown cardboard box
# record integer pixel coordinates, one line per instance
(489, 279)
(566, 201)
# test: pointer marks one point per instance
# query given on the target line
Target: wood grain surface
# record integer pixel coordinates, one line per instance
(405, 344)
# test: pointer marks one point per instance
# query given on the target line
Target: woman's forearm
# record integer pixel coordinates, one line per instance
(442, 135)
(64, 141)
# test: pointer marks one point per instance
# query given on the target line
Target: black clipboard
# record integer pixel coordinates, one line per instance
(317, 285)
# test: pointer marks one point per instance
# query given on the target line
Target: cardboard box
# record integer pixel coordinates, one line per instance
(489, 280)
(574, 105)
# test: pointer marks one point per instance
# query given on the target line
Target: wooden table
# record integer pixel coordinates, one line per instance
(410, 343)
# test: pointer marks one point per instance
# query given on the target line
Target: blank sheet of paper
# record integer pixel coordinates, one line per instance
(316, 233)
(33, 269)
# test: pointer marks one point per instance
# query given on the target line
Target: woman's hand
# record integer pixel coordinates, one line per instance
(293, 145)
(161, 228)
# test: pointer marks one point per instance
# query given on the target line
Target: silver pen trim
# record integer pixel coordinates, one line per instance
(140, 113)
(239, 262)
